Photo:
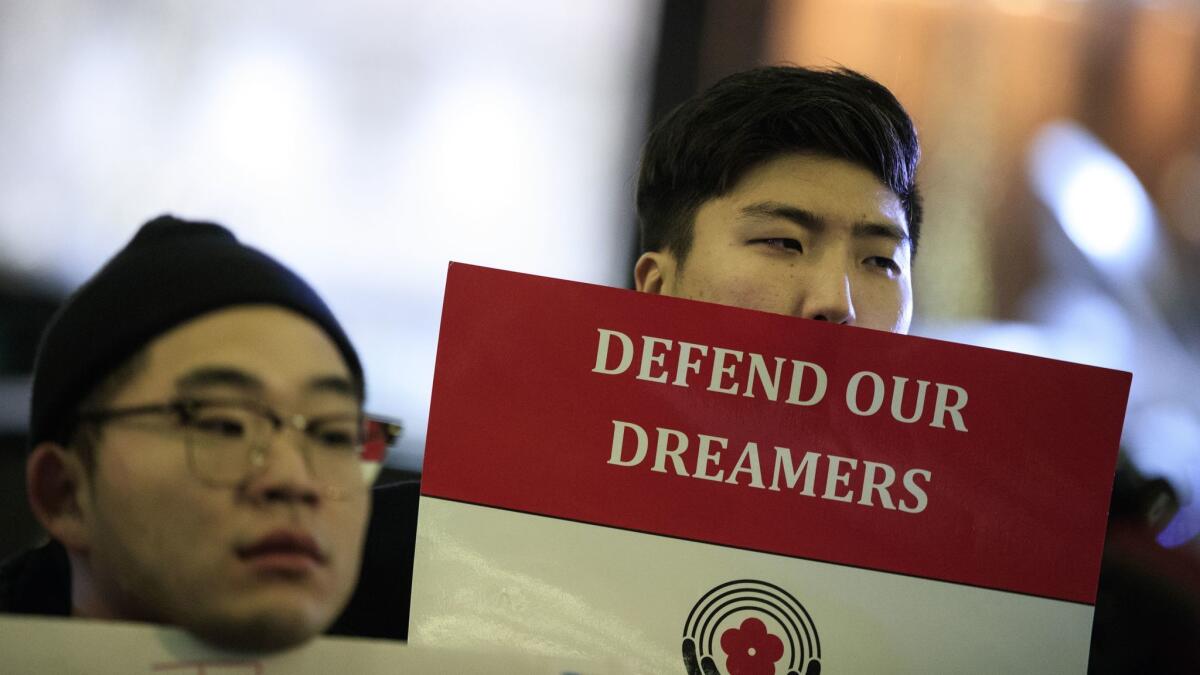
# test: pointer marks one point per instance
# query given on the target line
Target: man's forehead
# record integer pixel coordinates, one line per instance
(825, 186)
(256, 348)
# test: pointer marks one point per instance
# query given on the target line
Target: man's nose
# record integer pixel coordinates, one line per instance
(283, 472)
(828, 295)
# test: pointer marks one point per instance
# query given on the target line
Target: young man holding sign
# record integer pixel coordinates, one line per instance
(689, 484)
(794, 191)
(786, 190)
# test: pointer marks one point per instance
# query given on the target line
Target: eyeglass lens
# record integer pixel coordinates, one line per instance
(224, 440)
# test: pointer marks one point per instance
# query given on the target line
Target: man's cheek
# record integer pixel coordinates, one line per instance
(114, 468)
(350, 530)
(767, 295)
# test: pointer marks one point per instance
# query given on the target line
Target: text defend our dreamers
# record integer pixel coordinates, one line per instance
(732, 372)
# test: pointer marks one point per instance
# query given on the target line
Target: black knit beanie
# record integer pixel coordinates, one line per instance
(172, 270)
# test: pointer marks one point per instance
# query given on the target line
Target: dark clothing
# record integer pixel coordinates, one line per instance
(38, 581)
(379, 606)
(1147, 607)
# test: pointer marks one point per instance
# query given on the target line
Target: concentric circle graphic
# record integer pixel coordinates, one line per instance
(750, 626)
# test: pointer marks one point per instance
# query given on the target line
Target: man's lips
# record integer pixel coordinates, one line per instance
(286, 548)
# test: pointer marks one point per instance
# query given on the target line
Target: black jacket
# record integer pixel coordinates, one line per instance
(379, 606)
(36, 581)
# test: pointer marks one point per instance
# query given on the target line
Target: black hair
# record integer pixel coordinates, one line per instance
(707, 144)
(84, 438)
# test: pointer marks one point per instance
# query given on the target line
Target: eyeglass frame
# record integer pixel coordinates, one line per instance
(184, 408)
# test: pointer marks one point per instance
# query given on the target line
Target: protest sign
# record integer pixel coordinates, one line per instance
(65, 646)
(706, 489)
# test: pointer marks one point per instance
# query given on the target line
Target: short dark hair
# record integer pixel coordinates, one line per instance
(84, 439)
(707, 144)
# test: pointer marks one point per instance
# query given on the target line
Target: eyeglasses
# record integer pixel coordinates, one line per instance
(227, 440)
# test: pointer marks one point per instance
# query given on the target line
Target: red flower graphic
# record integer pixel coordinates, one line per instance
(750, 649)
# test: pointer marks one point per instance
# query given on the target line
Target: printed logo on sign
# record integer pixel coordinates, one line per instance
(750, 627)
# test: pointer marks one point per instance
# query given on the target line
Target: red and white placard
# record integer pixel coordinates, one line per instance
(681, 483)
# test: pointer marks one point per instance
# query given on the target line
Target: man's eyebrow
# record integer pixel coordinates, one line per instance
(811, 221)
(334, 384)
(797, 215)
(219, 376)
(884, 230)
(225, 376)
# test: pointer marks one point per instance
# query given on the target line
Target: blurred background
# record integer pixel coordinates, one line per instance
(368, 142)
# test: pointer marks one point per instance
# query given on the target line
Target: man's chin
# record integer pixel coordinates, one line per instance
(269, 629)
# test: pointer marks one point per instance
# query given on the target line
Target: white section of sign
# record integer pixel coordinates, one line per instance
(67, 646)
(489, 578)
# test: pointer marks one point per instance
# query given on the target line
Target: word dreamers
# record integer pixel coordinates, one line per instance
(842, 479)
(800, 383)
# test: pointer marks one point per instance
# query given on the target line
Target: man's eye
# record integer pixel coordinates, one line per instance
(228, 427)
(783, 243)
(884, 262)
(335, 438)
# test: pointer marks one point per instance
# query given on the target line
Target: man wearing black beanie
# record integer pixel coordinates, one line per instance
(199, 454)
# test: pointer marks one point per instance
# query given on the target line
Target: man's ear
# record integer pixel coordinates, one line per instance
(655, 273)
(58, 486)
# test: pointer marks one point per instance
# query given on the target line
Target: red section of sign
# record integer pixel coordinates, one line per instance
(521, 420)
